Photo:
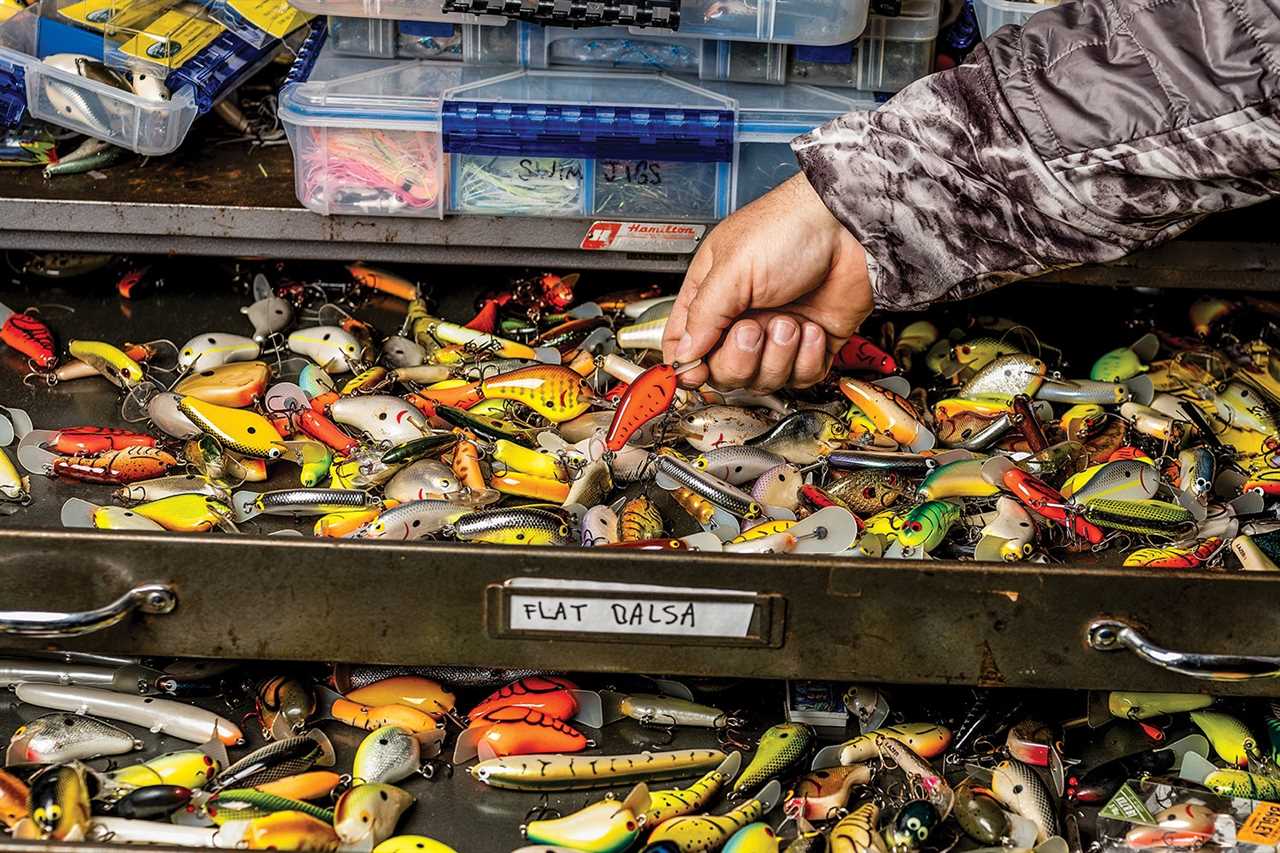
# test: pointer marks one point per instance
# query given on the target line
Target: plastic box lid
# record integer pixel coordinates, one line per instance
(590, 114)
(780, 113)
(918, 21)
(356, 92)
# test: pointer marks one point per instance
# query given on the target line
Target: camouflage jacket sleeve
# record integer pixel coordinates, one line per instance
(1099, 128)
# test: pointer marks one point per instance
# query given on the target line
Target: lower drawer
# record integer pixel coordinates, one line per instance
(946, 623)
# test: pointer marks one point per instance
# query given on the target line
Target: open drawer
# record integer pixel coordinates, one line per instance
(271, 597)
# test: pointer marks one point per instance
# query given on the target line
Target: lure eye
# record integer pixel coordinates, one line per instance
(916, 526)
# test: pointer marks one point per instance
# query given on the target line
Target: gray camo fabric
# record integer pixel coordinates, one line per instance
(1099, 128)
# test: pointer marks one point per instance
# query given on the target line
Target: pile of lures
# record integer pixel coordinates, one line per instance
(896, 770)
(547, 418)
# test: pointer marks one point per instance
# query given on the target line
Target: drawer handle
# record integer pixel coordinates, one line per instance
(147, 598)
(1110, 635)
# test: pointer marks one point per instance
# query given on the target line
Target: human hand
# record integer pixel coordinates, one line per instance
(773, 293)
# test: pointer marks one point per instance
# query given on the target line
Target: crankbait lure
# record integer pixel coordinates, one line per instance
(1010, 536)
(412, 844)
(1128, 705)
(283, 705)
(1006, 377)
(370, 717)
(553, 772)
(980, 815)
(369, 813)
(648, 396)
(553, 391)
(550, 694)
(1231, 739)
(59, 802)
(1041, 498)
(333, 348)
(672, 473)
(678, 802)
(214, 349)
(607, 826)
(514, 526)
(289, 830)
(820, 794)
(698, 833)
(14, 799)
(1241, 783)
(1182, 825)
(892, 415)
(109, 361)
(25, 332)
(1017, 786)
(390, 754)
(712, 427)
(186, 768)
(1191, 557)
(234, 385)
(243, 431)
(60, 738)
(414, 691)
(517, 731)
(151, 802)
(804, 437)
(911, 826)
(753, 838)
(858, 832)
(277, 760)
(780, 748)
(926, 740)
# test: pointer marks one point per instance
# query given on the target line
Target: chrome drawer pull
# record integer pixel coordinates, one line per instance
(147, 598)
(1109, 635)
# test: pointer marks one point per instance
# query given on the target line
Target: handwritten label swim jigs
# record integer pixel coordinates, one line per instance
(593, 608)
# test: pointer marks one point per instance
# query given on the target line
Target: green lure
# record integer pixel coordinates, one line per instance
(926, 525)
(249, 803)
(780, 748)
(1149, 517)
(1117, 366)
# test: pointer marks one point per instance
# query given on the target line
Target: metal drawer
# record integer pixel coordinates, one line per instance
(290, 598)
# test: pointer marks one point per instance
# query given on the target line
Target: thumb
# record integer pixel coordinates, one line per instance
(721, 299)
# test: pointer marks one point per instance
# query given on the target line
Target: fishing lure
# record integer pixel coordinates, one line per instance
(187, 513)
(109, 361)
(370, 717)
(333, 348)
(390, 754)
(236, 804)
(1006, 377)
(911, 826)
(1117, 366)
(1149, 517)
(299, 502)
(412, 844)
(381, 417)
(868, 492)
(672, 711)
(151, 802)
(1041, 498)
(1191, 557)
(1241, 783)
(1129, 705)
(932, 785)
(62, 738)
(26, 333)
(186, 768)
(1120, 480)
(926, 525)
(737, 465)
(553, 695)
(309, 785)
(712, 427)
(59, 802)
(639, 521)
(1010, 536)
(804, 437)
(753, 838)
(518, 731)
(820, 794)
(14, 800)
(1017, 786)
(553, 772)
(233, 385)
(513, 526)
(780, 748)
(1182, 825)
(1231, 739)
(240, 430)
(162, 715)
(369, 813)
(289, 830)
(410, 520)
(927, 740)
(114, 467)
(88, 440)
(414, 691)
(892, 415)
(15, 487)
(861, 354)
(672, 473)
(648, 396)
(214, 349)
(277, 760)
(697, 833)
(980, 815)
(607, 826)
(678, 802)
(858, 832)
(283, 705)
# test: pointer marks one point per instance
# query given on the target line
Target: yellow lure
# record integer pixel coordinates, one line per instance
(526, 461)
(1230, 739)
(412, 844)
(189, 513)
(452, 333)
(363, 381)
(108, 360)
(189, 768)
(766, 528)
(241, 430)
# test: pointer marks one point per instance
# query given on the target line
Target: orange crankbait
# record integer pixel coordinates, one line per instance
(89, 440)
(553, 391)
(375, 717)
(26, 333)
(116, 467)
(647, 397)
(550, 694)
(860, 354)
(525, 731)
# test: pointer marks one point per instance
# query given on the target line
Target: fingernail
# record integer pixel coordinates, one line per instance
(748, 337)
(782, 331)
(813, 334)
(684, 349)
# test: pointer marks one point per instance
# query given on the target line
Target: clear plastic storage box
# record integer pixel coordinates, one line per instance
(535, 46)
(55, 92)
(890, 54)
(397, 10)
(564, 143)
(426, 138)
(382, 39)
(782, 21)
(768, 119)
(994, 14)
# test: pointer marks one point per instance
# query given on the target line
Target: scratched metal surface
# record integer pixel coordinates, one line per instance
(250, 596)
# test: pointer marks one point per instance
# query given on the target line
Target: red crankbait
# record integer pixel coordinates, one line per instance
(92, 440)
(860, 354)
(525, 731)
(649, 395)
(1044, 500)
(550, 694)
(27, 334)
(116, 467)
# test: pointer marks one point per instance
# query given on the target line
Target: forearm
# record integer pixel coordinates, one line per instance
(1055, 145)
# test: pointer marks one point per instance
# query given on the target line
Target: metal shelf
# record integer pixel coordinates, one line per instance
(228, 199)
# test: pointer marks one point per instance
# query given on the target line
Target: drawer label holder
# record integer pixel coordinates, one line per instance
(623, 612)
